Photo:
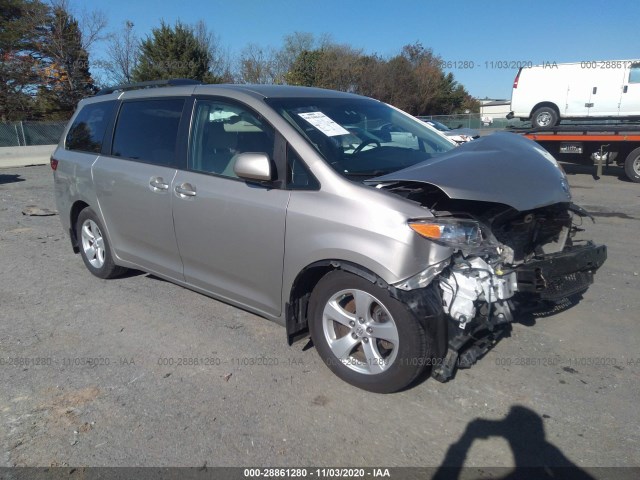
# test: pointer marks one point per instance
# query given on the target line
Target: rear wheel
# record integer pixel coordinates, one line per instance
(365, 336)
(632, 166)
(94, 246)
(544, 117)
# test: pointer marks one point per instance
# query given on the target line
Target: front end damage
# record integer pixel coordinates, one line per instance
(502, 205)
(522, 262)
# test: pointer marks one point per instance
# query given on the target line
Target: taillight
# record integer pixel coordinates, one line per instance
(54, 163)
(515, 81)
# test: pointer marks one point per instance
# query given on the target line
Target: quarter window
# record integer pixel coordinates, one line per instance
(147, 130)
(298, 175)
(221, 131)
(87, 131)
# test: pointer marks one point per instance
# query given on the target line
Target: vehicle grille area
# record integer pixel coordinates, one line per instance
(526, 233)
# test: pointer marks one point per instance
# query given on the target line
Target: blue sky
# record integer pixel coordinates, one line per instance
(478, 32)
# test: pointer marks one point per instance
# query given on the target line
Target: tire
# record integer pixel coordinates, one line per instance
(632, 166)
(94, 246)
(544, 117)
(381, 350)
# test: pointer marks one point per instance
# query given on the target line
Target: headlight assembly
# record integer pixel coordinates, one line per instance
(452, 232)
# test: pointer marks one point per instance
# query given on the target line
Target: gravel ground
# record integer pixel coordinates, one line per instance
(562, 390)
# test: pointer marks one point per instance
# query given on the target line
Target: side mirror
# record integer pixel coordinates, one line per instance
(253, 167)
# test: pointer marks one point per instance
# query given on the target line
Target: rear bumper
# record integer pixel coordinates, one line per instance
(555, 276)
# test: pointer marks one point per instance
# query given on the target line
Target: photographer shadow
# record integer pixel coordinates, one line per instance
(535, 457)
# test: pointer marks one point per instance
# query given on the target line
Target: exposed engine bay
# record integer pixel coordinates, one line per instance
(525, 261)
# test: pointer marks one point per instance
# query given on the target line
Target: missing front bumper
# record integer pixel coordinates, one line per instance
(559, 275)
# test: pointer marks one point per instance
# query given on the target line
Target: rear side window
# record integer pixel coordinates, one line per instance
(87, 131)
(147, 130)
(634, 73)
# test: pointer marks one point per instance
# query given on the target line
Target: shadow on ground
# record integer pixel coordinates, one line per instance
(535, 457)
(581, 169)
(11, 178)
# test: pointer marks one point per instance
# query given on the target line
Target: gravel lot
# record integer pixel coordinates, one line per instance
(561, 390)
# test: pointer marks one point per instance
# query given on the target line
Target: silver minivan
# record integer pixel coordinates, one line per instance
(337, 216)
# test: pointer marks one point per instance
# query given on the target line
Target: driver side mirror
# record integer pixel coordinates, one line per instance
(253, 167)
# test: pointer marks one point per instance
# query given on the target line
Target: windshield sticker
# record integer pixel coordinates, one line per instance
(324, 124)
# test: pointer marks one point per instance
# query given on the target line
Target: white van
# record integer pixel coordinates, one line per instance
(548, 93)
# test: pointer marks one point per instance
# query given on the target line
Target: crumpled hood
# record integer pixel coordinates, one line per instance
(502, 167)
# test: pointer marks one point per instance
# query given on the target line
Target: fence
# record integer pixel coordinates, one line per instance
(20, 134)
(475, 121)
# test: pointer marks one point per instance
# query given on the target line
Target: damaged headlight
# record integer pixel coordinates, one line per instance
(452, 232)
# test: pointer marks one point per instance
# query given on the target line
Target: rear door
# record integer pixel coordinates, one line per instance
(630, 102)
(133, 184)
(606, 89)
(579, 83)
(230, 232)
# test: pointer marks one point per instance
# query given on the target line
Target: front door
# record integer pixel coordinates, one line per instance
(230, 232)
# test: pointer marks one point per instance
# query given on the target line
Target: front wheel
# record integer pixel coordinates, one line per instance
(94, 246)
(632, 166)
(364, 335)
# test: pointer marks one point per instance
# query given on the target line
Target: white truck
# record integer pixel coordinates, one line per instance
(549, 93)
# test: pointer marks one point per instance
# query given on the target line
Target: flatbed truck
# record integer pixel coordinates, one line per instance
(600, 143)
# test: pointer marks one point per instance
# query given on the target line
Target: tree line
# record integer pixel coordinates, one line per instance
(47, 65)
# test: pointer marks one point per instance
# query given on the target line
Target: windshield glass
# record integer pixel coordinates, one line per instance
(361, 138)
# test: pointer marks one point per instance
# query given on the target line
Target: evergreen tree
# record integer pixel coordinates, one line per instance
(65, 74)
(172, 52)
(21, 27)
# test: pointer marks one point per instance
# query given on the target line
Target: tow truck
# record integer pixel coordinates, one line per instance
(600, 143)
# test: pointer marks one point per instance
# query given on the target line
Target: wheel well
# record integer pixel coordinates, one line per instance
(75, 213)
(297, 307)
(545, 104)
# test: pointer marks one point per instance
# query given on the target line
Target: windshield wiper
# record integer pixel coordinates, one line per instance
(371, 174)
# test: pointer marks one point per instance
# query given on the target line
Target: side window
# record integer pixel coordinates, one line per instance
(298, 175)
(220, 131)
(634, 73)
(147, 130)
(87, 131)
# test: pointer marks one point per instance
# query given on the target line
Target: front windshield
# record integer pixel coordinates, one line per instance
(361, 138)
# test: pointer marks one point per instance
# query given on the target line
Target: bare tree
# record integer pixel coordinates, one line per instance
(123, 54)
(219, 62)
(92, 23)
(256, 65)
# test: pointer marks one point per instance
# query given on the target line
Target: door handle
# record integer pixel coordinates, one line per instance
(624, 90)
(595, 90)
(186, 190)
(157, 183)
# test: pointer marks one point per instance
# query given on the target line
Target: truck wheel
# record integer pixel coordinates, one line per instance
(632, 166)
(544, 117)
(364, 335)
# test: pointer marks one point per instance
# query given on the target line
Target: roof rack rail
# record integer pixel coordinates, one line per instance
(172, 82)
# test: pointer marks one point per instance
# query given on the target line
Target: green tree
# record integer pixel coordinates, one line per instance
(21, 28)
(413, 80)
(172, 52)
(65, 76)
(304, 70)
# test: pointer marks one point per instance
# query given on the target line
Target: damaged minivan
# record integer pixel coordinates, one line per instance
(338, 216)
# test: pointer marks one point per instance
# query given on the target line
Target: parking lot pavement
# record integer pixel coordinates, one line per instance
(180, 379)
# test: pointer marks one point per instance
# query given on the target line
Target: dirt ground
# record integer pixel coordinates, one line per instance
(102, 373)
